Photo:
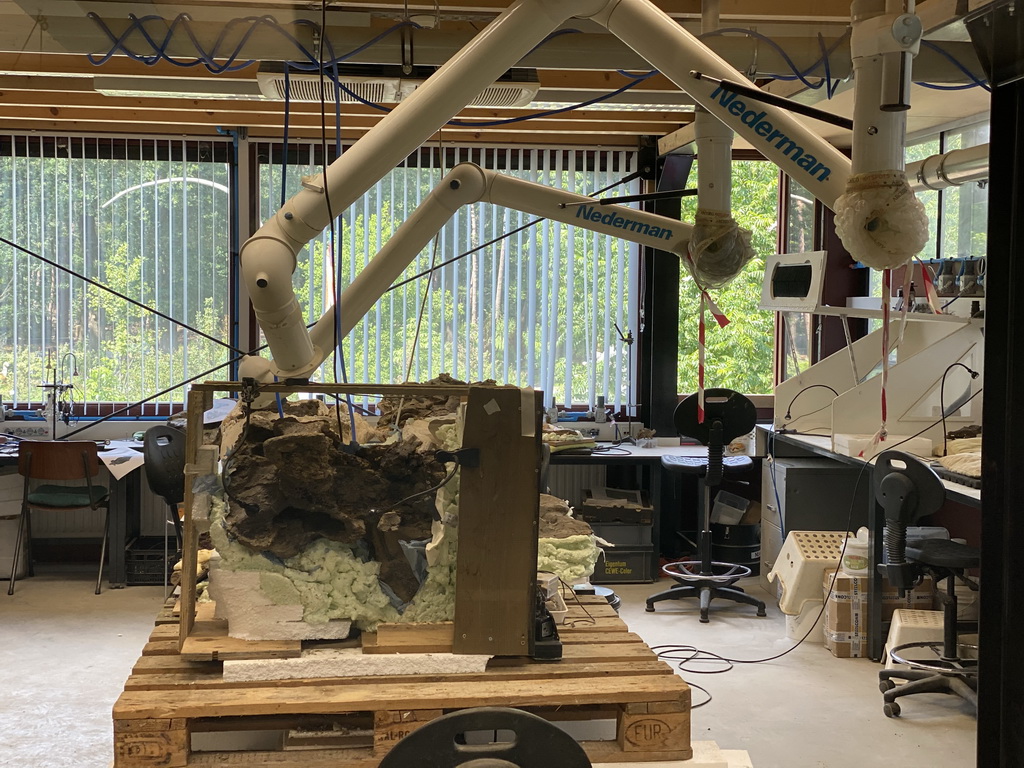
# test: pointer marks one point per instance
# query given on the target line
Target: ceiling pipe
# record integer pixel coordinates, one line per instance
(951, 169)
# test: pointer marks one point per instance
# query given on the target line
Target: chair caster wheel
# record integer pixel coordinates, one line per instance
(761, 611)
(704, 618)
(649, 608)
(891, 709)
(886, 685)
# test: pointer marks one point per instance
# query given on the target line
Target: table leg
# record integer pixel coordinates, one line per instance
(656, 520)
(124, 525)
(876, 635)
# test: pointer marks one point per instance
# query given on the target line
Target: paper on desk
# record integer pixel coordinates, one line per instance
(120, 459)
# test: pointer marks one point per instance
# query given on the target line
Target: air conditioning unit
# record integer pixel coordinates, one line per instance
(388, 85)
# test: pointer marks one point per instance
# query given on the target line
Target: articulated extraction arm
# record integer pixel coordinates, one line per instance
(882, 50)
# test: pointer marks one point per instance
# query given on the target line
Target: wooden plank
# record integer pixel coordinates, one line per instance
(224, 648)
(604, 624)
(173, 679)
(654, 732)
(410, 638)
(161, 648)
(495, 593)
(151, 743)
(162, 665)
(328, 699)
(426, 390)
(199, 401)
(391, 727)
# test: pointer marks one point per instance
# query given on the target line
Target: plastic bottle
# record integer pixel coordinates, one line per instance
(855, 558)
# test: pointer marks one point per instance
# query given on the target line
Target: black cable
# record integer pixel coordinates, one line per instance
(789, 408)
(330, 213)
(119, 295)
(566, 586)
(162, 392)
(420, 494)
(942, 398)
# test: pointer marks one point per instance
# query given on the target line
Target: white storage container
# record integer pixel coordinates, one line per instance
(728, 508)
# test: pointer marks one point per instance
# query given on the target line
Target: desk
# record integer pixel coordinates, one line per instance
(820, 445)
(632, 456)
(124, 487)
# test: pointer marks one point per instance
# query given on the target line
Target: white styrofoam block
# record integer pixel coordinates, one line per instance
(853, 445)
(251, 615)
(352, 662)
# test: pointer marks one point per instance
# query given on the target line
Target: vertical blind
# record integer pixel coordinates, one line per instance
(147, 218)
(538, 308)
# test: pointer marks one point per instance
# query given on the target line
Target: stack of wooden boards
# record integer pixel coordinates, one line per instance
(175, 702)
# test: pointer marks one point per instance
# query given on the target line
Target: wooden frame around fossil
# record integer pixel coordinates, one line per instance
(498, 507)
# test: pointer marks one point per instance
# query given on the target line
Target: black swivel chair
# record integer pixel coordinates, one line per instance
(907, 489)
(727, 415)
(441, 743)
(164, 450)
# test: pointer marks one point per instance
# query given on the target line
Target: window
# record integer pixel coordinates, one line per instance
(796, 327)
(957, 216)
(147, 218)
(740, 355)
(500, 312)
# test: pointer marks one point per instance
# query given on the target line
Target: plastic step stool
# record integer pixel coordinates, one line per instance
(913, 626)
(802, 561)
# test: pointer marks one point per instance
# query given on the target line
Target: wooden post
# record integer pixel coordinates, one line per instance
(496, 573)
(199, 400)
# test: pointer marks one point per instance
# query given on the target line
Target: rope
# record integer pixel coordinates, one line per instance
(706, 302)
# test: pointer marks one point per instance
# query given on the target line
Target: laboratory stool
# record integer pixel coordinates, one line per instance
(907, 489)
(728, 415)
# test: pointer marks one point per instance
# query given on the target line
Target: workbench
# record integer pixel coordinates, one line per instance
(793, 445)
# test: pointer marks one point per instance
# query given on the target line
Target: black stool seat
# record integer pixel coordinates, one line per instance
(942, 553)
(698, 465)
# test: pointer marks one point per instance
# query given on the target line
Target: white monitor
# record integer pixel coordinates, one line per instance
(793, 282)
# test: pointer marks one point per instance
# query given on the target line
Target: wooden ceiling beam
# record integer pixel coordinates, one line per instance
(12, 96)
(460, 137)
(183, 121)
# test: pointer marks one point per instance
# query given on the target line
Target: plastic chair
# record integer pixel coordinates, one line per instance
(535, 743)
(164, 450)
(64, 461)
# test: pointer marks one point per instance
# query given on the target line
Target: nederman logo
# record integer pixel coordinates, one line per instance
(770, 134)
(588, 213)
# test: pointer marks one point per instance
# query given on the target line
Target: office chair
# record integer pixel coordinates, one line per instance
(535, 743)
(727, 415)
(907, 489)
(64, 461)
(164, 450)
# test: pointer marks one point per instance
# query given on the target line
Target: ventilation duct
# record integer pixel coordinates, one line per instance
(388, 85)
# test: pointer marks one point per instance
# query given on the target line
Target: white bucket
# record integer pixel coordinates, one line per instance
(855, 557)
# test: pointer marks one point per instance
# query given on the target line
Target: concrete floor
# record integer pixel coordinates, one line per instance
(65, 653)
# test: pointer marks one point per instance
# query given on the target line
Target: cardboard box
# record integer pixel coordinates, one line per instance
(615, 505)
(846, 610)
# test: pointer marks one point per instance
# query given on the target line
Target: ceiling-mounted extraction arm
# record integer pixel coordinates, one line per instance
(269, 257)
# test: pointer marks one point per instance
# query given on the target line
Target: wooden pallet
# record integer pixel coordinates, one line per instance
(172, 704)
